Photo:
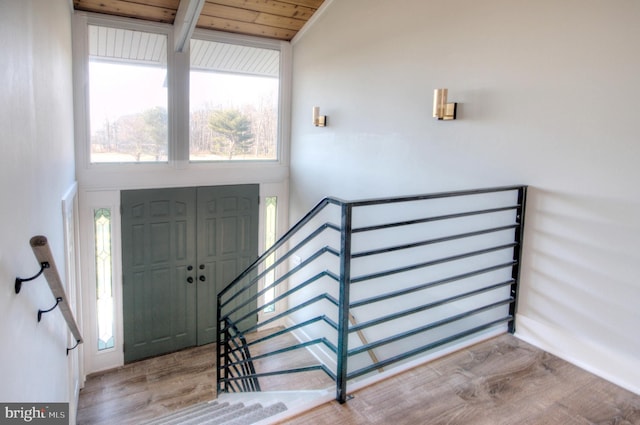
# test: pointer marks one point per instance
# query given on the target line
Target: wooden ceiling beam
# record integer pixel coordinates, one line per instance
(185, 22)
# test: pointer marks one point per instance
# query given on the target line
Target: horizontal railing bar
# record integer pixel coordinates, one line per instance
(428, 285)
(433, 241)
(282, 240)
(432, 262)
(428, 327)
(427, 306)
(281, 259)
(316, 255)
(435, 218)
(323, 318)
(459, 193)
(320, 275)
(300, 306)
(279, 316)
(285, 371)
(305, 344)
(427, 347)
(288, 293)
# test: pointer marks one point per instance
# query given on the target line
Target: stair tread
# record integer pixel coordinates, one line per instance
(179, 415)
(214, 413)
(224, 418)
(256, 416)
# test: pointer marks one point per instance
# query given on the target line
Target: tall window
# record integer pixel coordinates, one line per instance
(127, 95)
(233, 102)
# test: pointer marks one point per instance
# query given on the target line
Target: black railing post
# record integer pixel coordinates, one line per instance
(219, 347)
(343, 302)
(517, 255)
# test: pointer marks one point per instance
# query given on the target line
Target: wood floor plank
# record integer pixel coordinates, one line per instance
(503, 381)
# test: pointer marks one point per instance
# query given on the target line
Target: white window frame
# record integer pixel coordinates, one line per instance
(178, 171)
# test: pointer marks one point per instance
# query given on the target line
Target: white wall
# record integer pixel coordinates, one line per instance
(36, 170)
(547, 96)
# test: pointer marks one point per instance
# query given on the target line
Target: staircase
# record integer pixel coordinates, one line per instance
(220, 413)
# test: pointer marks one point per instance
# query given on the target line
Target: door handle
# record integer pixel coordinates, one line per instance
(190, 279)
(202, 278)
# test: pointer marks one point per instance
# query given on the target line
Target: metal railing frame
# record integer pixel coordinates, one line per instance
(236, 371)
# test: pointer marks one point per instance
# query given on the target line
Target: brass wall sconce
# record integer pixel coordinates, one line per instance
(319, 120)
(441, 109)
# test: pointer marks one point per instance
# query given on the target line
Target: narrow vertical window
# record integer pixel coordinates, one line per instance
(271, 210)
(104, 283)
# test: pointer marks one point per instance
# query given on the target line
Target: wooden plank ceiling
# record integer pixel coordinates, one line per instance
(279, 19)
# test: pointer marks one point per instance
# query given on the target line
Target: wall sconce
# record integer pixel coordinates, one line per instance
(319, 120)
(441, 109)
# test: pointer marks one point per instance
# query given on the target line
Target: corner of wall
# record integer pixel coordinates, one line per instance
(607, 364)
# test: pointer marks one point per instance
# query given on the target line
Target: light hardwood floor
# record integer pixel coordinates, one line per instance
(500, 381)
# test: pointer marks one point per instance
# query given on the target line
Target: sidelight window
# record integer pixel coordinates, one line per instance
(104, 283)
(270, 222)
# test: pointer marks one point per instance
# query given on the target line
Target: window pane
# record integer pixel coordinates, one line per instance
(233, 102)
(127, 95)
(104, 287)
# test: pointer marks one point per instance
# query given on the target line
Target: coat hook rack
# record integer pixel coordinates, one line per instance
(19, 280)
(41, 312)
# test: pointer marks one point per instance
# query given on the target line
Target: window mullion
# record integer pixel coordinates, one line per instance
(179, 109)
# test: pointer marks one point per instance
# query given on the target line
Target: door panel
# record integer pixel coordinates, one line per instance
(158, 237)
(207, 235)
(227, 240)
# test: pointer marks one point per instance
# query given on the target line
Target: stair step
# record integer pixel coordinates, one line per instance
(187, 413)
(214, 413)
(259, 415)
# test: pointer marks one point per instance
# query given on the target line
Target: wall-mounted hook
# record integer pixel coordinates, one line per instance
(41, 312)
(19, 280)
(72, 348)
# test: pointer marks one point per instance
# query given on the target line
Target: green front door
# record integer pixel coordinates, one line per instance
(180, 247)
(227, 244)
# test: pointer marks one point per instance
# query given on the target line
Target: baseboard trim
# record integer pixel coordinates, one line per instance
(610, 365)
